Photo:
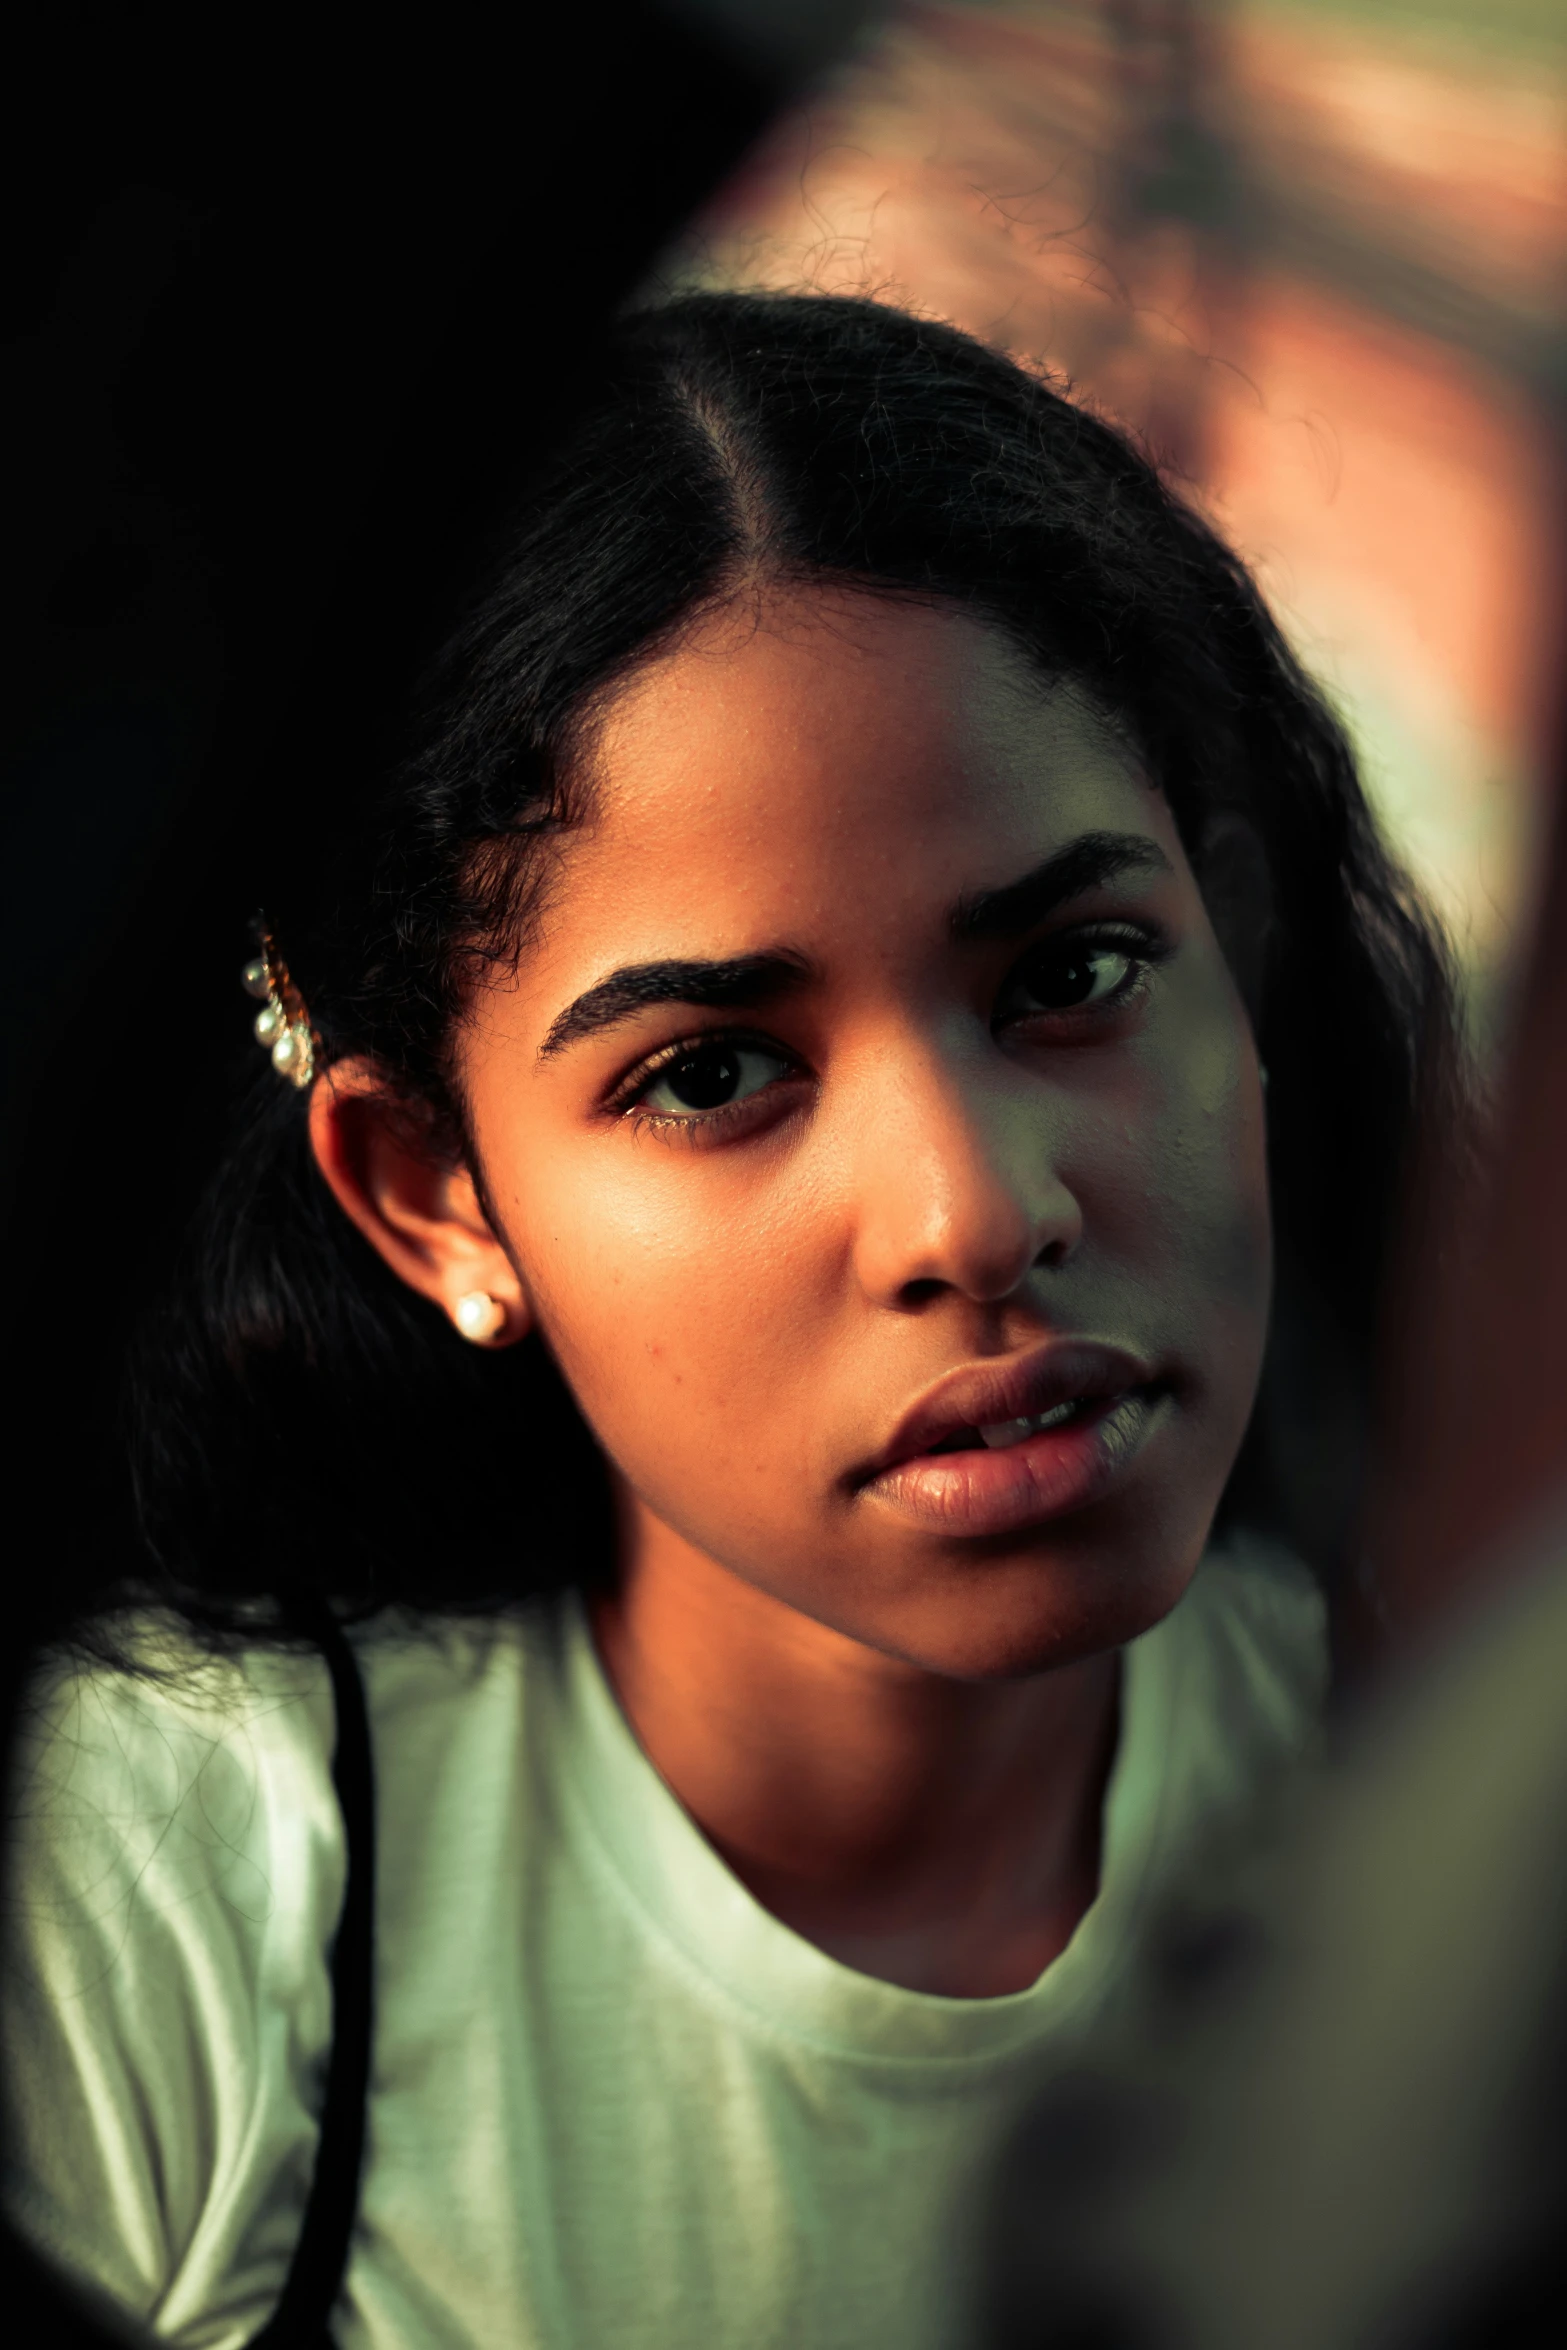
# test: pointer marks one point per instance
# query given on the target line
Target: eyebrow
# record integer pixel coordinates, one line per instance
(748, 982)
(1084, 864)
(736, 983)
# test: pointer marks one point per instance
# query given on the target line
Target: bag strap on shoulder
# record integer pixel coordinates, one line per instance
(302, 2318)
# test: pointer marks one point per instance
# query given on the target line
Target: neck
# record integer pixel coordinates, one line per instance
(942, 1834)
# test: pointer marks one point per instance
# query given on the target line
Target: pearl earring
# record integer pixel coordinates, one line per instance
(479, 1317)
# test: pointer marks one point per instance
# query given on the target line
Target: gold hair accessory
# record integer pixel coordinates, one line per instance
(283, 1023)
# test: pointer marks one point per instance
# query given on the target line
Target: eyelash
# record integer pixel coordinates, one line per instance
(695, 1131)
(698, 1126)
(1144, 946)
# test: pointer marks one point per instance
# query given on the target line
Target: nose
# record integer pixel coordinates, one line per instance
(957, 1183)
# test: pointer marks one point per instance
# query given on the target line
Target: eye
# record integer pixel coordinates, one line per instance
(702, 1078)
(1074, 975)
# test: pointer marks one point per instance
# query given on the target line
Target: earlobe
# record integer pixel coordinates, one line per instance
(415, 1203)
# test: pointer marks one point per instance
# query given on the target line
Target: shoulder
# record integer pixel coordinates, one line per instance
(187, 1773)
(174, 1869)
(175, 1873)
(1228, 1692)
(466, 1729)
(428, 1673)
(169, 1776)
(1255, 1621)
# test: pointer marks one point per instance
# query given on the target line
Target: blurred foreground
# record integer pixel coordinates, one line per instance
(1344, 2125)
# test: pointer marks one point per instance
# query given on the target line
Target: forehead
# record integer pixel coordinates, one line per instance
(823, 757)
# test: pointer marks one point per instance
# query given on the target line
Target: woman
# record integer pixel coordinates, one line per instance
(751, 1307)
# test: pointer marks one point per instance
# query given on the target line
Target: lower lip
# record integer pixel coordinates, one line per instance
(1046, 1476)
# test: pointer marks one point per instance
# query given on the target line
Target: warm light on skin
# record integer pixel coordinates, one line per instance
(743, 1312)
(743, 1320)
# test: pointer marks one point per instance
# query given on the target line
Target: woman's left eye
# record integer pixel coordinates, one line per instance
(704, 1078)
(1076, 976)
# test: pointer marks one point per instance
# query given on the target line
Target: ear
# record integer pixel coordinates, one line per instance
(1237, 889)
(417, 1206)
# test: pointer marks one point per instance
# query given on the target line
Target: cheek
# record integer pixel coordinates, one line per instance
(674, 1315)
(1181, 1185)
(1214, 1185)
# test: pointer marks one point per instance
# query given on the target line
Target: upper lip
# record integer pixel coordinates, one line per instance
(1016, 1387)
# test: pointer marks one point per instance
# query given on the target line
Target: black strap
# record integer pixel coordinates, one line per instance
(301, 2320)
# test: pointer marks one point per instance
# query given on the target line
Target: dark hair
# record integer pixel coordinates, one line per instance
(298, 1420)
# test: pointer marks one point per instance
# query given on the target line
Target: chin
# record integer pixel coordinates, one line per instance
(1008, 1620)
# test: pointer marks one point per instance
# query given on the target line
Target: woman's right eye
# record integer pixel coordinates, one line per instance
(705, 1078)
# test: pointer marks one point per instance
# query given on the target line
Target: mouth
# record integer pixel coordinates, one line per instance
(1001, 1446)
(1001, 1435)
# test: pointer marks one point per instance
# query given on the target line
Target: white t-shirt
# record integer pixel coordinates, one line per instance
(615, 2105)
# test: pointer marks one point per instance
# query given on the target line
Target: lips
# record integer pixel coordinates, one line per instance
(989, 1395)
(1001, 1447)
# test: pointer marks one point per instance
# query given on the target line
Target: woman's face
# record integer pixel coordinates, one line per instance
(873, 1077)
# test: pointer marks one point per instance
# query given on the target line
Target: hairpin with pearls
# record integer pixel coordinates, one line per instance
(282, 1024)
